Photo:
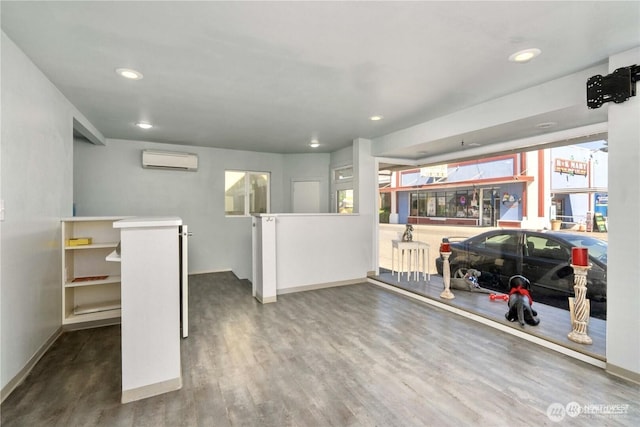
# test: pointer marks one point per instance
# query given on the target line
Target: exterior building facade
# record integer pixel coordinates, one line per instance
(520, 190)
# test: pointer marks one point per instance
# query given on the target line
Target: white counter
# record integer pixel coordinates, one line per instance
(150, 306)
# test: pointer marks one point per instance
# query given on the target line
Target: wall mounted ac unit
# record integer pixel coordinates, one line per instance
(153, 159)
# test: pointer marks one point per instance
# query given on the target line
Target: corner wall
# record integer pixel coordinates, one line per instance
(623, 289)
(36, 170)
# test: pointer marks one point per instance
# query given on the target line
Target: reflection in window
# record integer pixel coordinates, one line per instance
(343, 173)
(345, 201)
(246, 193)
(459, 204)
(258, 192)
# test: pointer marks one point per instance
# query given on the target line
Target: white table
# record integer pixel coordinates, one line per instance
(417, 259)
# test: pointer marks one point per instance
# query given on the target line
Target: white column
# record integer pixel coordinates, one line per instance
(365, 190)
(623, 289)
(264, 258)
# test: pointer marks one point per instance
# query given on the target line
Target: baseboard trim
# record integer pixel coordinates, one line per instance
(504, 328)
(623, 373)
(20, 376)
(266, 300)
(316, 286)
(92, 324)
(193, 273)
(151, 390)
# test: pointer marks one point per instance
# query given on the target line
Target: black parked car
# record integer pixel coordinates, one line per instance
(544, 257)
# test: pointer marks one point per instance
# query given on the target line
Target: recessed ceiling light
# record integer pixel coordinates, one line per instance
(376, 118)
(128, 73)
(143, 125)
(314, 143)
(546, 125)
(525, 55)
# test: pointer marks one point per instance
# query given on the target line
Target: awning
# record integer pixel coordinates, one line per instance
(475, 183)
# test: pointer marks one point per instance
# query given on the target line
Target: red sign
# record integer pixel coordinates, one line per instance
(572, 167)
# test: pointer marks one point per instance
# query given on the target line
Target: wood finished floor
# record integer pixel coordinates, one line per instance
(348, 356)
(555, 323)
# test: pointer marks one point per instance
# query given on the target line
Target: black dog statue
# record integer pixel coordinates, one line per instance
(520, 302)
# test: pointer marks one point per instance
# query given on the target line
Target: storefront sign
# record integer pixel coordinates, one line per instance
(434, 171)
(602, 199)
(572, 167)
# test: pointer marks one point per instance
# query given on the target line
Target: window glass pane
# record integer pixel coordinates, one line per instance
(408, 179)
(385, 207)
(234, 193)
(258, 193)
(431, 204)
(414, 204)
(344, 173)
(451, 204)
(345, 201)
(441, 207)
(422, 204)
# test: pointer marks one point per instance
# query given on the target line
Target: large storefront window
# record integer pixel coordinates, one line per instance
(458, 204)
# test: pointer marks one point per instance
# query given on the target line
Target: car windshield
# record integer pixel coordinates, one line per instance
(597, 248)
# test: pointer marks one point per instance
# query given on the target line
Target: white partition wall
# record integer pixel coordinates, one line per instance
(312, 250)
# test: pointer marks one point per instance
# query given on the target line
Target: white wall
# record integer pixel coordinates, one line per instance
(109, 180)
(341, 158)
(36, 170)
(623, 288)
(319, 249)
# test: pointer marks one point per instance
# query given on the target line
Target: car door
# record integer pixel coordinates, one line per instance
(497, 257)
(546, 263)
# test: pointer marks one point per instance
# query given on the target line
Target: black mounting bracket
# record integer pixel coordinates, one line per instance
(617, 86)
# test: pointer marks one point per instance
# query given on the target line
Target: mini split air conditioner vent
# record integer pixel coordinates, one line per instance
(153, 159)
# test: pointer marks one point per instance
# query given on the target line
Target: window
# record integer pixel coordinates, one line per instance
(345, 201)
(342, 189)
(246, 193)
(461, 203)
(343, 173)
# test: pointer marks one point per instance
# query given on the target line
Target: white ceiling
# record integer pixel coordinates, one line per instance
(270, 76)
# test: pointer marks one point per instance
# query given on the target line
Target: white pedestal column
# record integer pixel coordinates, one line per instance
(446, 277)
(580, 308)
